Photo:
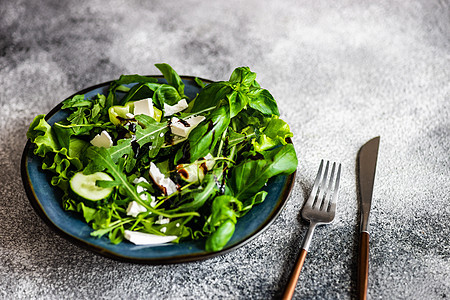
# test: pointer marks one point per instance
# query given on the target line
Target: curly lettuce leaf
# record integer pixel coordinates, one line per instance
(41, 134)
(275, 133)
(58, 160)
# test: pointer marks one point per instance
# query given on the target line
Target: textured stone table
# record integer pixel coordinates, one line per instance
(342, 72)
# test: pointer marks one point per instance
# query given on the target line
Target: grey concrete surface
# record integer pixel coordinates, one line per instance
(342, 73)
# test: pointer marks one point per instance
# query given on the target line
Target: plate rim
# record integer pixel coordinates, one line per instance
(37, 205)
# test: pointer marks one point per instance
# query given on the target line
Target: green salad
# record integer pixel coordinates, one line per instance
(148, 165)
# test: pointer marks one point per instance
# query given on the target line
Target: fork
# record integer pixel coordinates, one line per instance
(320, 209)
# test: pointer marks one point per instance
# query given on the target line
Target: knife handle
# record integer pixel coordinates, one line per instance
(363, 265)
(290, 288)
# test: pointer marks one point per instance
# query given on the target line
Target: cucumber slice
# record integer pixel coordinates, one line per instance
(84, 186)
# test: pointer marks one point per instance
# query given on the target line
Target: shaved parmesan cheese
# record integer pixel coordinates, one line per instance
(173, 109)
(161, 220)
(184, 127)
(141, 238)
(139, 180)
(134, 209)
(102, 140)
(144, 107)
(165, 184)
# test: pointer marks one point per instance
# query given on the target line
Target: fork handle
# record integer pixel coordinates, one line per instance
(363, 265)
(293, 279)
(290, 288)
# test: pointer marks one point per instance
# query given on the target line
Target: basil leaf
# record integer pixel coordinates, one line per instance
(224, 208)
(238, 101)
(220, 237)
(223, 217)
(204, 137)
(134, 78)
(124, 79)
(211, 95)
(243, 75)
(250, 176)
(172, 77)
(262, 100)
(167, 94)
(141, 91)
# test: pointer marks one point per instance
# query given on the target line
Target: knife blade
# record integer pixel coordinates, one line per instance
(367, 162)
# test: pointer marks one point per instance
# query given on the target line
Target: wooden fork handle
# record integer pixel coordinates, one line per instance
(363, 265)
(290, 288)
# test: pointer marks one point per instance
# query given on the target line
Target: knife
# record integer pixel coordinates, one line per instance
(367, 161)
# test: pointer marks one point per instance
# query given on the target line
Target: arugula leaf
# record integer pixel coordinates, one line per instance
(250, 202)
(151, 131)
(84, 114)
(76, 101)
(201, 196)
(97, 112)
(199, 82)
(122, 148)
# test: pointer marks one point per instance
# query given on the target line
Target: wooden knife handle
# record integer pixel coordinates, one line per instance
(363, 266)
(290, 288)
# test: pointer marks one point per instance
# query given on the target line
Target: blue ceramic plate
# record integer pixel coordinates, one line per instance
(46, 200)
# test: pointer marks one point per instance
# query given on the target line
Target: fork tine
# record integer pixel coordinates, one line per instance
(327, 197)
(313, 193)
(320, 197)
(336, 188)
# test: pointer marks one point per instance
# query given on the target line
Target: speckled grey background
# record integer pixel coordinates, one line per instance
(342, 72)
